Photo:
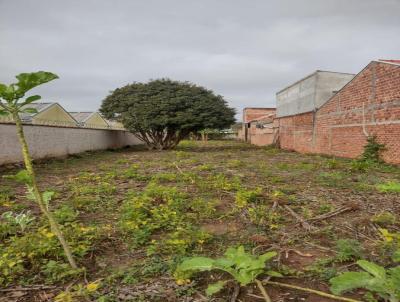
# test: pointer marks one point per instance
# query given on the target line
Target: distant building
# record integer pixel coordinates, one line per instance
(334, 113)
(115, 125)
(251, 114)
(310, 92)
(47, 114)
(90, 119)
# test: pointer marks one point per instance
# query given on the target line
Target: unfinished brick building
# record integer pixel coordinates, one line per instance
(369, 104)
(250, 116)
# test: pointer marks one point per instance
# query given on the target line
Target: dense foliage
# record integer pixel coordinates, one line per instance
(163, 112)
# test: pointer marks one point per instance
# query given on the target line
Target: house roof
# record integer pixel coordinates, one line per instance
(82, 116)
(397, 62)
(40, 107)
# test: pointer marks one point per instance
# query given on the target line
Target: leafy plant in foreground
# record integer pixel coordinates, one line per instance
(384, 282)
(242, 266)
(10, 104)
(22, 219)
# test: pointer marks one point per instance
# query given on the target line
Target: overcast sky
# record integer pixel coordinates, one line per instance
(245, 50)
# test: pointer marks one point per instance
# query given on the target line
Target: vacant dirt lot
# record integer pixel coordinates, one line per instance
(132, 215)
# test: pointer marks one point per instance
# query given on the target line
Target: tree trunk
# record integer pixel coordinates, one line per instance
(38, 196)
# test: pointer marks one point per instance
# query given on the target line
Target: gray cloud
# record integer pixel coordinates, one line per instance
(243, 50)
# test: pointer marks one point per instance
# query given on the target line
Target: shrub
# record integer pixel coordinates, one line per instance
(372, 150)
(163, 112)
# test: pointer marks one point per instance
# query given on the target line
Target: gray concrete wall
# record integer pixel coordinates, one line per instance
(48, 141)
(310, 92)
(329, 82)
(298, 97)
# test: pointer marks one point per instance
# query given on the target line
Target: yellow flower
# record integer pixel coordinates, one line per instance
(47, 233)
(93, 286)
(12, 263)
(182, 281)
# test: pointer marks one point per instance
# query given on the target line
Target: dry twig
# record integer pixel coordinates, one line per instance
(309, 290)
(263, 291)
(304, 224)
(330, 214)
(34, 287)
(236, 291)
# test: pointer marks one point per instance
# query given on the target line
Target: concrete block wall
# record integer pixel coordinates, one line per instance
(51, 141)
(309, 93)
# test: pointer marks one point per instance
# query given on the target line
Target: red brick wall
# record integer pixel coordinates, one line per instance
(368, 105)
(296, 132)
(262, 136)
(250, 114)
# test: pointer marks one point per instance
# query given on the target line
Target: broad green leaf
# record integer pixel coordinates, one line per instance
(27, 81)
(223, 263)
(30, 110)
(245, 277)
(30, 194)
(372, 268)
(215, 288)
(2, 88)
(274, 274)
(32, 99)
(267, 256)
(395, 277)
(396, 256)
(22, 177)
(231, 253)
(47, 196)
(196, 264)
(348, 281)
(3, 112)
(7, 93)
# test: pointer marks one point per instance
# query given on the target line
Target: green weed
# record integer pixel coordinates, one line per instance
(348, 249)
(384, 218)
(242, 266)
(389, 187)
(244, 197)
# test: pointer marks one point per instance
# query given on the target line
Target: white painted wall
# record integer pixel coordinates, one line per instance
(48, 141)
